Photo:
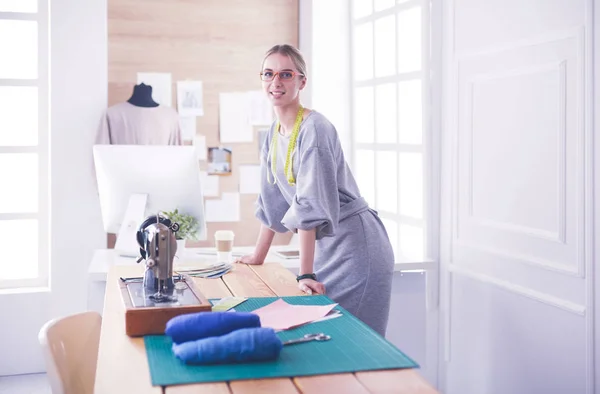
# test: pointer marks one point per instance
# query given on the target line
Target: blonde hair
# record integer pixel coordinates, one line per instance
(291, 52)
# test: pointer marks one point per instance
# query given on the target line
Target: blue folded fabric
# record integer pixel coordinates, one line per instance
(244, 345)
(192, 326)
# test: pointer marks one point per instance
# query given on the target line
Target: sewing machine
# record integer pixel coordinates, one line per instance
(158, 245)
(158, 296)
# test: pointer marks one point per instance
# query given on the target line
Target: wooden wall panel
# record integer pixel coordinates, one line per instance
(219, 42)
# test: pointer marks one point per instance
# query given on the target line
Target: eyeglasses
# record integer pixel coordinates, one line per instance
(283, 75)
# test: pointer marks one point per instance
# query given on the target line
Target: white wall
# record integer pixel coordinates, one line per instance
(78, 89)
(305, 40)
(78, 96)
(596, 251)
(325, 41)
(407, 325)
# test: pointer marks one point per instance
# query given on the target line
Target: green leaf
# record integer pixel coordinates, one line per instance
(188, 225)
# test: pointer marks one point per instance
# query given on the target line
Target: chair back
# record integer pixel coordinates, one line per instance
(70, 346)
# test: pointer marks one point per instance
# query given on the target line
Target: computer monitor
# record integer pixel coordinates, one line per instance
(136, 181)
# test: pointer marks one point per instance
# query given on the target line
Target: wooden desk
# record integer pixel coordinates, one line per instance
(123, 366)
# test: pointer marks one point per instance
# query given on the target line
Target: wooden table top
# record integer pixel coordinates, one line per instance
(123, 366)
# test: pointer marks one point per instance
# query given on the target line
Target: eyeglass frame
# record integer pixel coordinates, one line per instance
(275, 74)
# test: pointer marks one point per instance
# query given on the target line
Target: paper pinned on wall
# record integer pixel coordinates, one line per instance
(249, 179)
(213, 210)
(227, 209)
(161, 86)
(189, 98)
(200, 144)
(261, 110)
(210, 184)
(234, 125)
(220, 160)
(188, 127)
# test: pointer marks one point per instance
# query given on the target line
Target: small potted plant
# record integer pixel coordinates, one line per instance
(188, 227)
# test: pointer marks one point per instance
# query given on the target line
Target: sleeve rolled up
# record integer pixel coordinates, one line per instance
(316, 204)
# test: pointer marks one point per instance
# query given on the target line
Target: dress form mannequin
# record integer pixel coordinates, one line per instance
(138, 121)
(142, 96)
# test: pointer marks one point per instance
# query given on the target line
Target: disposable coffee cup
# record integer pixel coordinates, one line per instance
(224, 245)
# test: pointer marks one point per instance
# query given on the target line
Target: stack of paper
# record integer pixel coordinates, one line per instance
(215, 270)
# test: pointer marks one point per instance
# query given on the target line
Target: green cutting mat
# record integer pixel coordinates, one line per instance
(353, 347)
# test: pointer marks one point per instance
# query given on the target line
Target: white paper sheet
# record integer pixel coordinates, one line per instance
(234, 125)
(189, 98)
(200, 144)
(188, 127)
(250, 179)
(261, 110)
(210, 184)
(227, 209)
(161, 86)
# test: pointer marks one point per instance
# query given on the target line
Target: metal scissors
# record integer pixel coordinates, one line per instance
(307, 338)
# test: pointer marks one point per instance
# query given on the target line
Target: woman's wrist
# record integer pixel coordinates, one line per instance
(307, 250)
(260, 253)
(306, 276)
(265, 237)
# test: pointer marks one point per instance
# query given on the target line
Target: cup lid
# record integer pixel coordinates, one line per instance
(224, 235)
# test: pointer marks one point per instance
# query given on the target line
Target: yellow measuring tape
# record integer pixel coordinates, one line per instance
(287, 170)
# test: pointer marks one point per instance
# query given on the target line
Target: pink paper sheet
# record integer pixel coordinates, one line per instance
(280, 315)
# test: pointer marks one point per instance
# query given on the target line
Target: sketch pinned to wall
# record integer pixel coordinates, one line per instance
(219, 161)
(161, 86)
(188, 127)
(200, 144)
(210, 184)
(261, 109)
(234, 125)
(225, 209)
(189, 98)
(250, 179)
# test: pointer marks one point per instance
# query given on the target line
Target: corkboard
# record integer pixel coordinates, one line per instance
(219, 42)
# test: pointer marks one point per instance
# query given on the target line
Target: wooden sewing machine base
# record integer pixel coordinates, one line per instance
(143, 316)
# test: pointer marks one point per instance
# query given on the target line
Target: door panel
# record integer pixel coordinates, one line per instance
(520, 141)
(516, 197)
(504, 342)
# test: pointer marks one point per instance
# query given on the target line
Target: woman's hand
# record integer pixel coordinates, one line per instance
(249, 259)
(310, 286)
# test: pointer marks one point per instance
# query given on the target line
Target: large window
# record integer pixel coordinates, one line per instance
(390, 57)
(24, 143)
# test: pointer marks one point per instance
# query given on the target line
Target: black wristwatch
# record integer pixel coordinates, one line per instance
(306, 276)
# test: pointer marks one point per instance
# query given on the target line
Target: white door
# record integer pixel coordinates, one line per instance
(49, 213)
(517, 300)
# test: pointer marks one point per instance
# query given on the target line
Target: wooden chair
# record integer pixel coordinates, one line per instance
(70, 346)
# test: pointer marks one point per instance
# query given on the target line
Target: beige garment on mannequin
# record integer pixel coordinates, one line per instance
(127, 124)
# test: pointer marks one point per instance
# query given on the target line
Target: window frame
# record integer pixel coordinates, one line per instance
(429, 144)
(42, 149)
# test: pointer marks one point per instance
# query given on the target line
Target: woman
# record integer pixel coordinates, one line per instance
(307, 187)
